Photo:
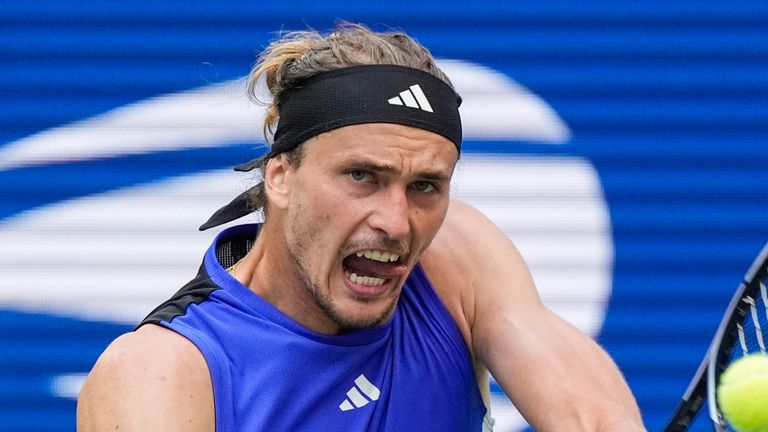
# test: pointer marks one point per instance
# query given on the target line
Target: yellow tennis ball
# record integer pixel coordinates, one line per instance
(743, 393)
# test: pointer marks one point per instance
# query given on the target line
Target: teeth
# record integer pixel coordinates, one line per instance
(379, 255)
(365, 280)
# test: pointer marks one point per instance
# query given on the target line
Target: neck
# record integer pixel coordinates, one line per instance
(269, 271)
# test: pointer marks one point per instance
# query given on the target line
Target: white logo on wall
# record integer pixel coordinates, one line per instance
(360, 394)
(552, 207)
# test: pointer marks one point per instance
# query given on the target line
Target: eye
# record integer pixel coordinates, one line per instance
(424, 186)
(359, 175)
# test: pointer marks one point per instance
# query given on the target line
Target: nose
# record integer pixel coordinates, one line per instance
(391, 214)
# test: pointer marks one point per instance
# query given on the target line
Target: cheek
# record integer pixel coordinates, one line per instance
(315, 199)
(328, 205)
(427, 222)
(336, 201)
(320, 215)
(431, 214)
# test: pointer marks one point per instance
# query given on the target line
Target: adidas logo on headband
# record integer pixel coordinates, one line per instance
(413, 97)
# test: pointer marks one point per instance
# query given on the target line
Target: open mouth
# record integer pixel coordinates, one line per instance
(373, 268)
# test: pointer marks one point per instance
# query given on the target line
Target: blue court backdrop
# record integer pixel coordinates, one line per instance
(622, 145)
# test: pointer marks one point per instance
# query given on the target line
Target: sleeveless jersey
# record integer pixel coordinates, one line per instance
(269, 373)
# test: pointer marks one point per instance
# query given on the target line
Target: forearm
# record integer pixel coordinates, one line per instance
(607, 399)
(562, 380)
(622, 425)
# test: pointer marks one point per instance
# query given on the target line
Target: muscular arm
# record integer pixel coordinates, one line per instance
(149, 380)
(556, 376)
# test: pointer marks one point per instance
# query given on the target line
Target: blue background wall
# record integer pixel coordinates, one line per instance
(666, 99)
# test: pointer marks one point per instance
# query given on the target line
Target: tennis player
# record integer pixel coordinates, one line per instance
(368, 300)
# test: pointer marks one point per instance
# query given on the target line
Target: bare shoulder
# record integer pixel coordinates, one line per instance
(472, 264)
(466, 230)
(484, 282)
(151, 379)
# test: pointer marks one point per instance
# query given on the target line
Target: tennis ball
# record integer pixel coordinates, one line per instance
(743, 393)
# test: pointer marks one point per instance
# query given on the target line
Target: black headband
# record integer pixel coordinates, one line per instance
(349, 96)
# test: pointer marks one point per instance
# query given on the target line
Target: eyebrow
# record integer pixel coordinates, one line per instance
(390, 169)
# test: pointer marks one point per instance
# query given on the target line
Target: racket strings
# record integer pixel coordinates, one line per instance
(750, 331)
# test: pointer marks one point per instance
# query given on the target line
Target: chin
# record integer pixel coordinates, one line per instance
(361, 314)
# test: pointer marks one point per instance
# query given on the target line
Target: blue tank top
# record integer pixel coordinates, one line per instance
(269, 373)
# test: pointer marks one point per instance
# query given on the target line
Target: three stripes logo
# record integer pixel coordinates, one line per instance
(413, 97)
(360, 394)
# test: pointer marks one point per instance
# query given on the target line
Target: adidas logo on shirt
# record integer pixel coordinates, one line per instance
(413, 97)
(360, 394)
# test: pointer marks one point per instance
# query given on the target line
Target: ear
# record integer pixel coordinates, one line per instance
(278, 178)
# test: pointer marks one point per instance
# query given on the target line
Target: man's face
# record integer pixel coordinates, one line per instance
(364, 204)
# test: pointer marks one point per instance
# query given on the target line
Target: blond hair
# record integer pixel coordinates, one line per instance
(301, 54)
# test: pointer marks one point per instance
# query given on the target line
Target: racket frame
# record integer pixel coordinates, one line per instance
(703, 386)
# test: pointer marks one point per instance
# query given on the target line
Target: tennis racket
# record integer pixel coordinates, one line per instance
(740, 333)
